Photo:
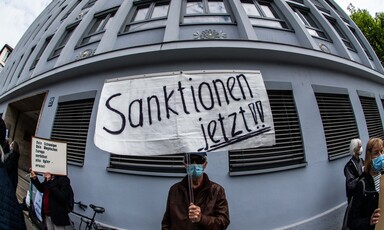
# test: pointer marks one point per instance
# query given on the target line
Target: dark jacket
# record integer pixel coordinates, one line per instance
(11, 215)
(12, 164)
(211, 199)
(58, 198)
(352, 171)
(363, 204)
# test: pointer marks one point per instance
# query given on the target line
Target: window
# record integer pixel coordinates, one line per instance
(89, 4)
(337, 11)
(307, 19)
(38, 56)
(86, 9)
(97, 28)
(8, 75)
(206, 11)
(286, 154)
(71, 126)
(147, 15)
(372, 116)
(360, 42)
(13, 71)
(25, 62)
(6, 55)
(341, 34)
(263, 13)
(166, 164)
(70, 10)
(63, 41)
(338, 121)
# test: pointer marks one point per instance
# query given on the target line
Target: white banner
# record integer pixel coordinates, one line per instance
(178, 113)
(49, 156)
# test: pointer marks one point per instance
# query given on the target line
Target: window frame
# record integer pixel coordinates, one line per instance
(129, 22)
(40, 53)
(360, 42)
(206, 13)
(102, 17)
(309, 21)
(71, 10)
(278, 17)
(347, 42)
(89, 4)
(63, 40)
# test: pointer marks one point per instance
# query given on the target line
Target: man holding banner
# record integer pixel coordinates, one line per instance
(196, 202)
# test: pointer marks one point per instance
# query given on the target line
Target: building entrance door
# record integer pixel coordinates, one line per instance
(21, 119)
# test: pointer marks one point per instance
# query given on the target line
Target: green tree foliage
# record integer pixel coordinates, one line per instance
(372, 28)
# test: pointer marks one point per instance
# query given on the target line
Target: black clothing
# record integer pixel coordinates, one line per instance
(11, 215)
(352, 171)
(364, 204)
(12, 164)
(3, 131)
(58, 198)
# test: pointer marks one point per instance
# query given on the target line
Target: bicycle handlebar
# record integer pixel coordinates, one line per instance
(81, 205)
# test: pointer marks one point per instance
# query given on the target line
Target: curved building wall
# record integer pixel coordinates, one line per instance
(312, 58)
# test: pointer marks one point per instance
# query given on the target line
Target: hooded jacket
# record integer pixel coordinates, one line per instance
(211, 199)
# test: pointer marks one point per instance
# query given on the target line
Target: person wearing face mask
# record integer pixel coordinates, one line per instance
(196, 202)
(364, 212)
(354, 167)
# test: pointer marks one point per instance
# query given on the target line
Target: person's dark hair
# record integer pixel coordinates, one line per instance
(199, 158)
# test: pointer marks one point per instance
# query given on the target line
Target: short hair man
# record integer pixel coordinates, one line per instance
(209, 206)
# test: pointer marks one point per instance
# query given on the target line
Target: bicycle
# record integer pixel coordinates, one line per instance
(90, 223)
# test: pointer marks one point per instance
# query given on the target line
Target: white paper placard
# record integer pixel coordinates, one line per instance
(49, 156)
(175, 113)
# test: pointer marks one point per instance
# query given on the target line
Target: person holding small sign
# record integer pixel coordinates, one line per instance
(364, 212)
(56, 192)
(196, 202)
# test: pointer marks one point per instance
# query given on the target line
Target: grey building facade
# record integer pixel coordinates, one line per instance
(324, 82)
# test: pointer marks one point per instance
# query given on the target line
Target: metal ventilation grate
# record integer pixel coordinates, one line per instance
(154, 164)
(286, 154)
(71, 126)
(339, 123)
(372, 117)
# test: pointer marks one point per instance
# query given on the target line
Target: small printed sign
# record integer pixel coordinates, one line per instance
(49, 156)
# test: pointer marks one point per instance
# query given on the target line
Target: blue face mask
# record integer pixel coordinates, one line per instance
(378, 163)
(196, 170)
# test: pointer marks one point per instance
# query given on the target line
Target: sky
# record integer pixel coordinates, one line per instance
(18, 15)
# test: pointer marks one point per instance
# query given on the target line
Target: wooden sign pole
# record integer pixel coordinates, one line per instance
(380, 224)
